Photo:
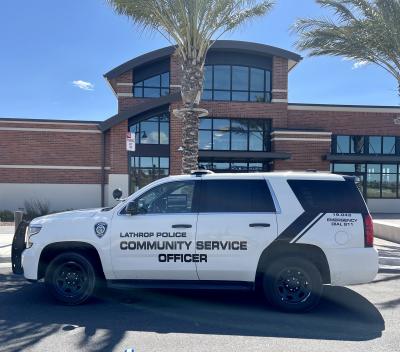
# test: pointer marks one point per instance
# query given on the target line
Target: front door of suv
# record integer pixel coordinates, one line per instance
(157, 242)
(236, 222)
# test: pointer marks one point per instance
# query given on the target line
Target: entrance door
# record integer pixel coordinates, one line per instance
(236, 222)
(156, 242)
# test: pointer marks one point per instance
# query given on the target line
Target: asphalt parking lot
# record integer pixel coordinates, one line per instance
(357, 318)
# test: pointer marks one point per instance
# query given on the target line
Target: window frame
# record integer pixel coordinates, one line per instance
(266, 93)
(133, 169)
(364, 173)
(195, 200)
(159, 116)
(266, 133)
(366, 145)
(140, 84)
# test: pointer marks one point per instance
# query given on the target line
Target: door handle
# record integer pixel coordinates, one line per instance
(181, 226)
(259, 224)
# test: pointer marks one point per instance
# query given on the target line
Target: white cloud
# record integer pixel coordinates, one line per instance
(83, 85)
(359, 64)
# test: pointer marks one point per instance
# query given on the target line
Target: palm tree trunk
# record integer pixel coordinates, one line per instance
(191, 88)
(190, 141)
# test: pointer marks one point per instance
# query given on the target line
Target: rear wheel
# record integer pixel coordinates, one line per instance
(292, 284)
(71, 278)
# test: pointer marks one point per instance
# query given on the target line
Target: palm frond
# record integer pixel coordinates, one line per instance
(367, 30)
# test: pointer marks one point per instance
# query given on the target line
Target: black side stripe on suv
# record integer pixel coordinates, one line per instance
(300, 226)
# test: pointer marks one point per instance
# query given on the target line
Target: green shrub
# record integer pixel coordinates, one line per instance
(35, 208)
(6, 216)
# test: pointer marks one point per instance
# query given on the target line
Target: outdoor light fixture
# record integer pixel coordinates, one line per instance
(144, 135)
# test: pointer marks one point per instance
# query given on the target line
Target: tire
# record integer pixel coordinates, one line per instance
(292, 284)
(71, 278)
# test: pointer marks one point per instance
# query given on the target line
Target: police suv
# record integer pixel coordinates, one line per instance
(284, 234)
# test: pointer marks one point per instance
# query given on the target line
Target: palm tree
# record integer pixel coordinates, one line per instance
(362, 30)
(193, 26)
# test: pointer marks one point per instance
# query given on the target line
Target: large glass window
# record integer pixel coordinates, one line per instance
(235, 166)
(154, 130)
(374, 145)
(236, 83)
(388, 145)
(376, 180)
(373, 180)
(389, 181)
(371, 145)
(342, 144)
(152, 87)
(236, 196)
(234, 134)
(144, 170)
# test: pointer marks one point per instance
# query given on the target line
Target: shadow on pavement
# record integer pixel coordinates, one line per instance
(28, 314)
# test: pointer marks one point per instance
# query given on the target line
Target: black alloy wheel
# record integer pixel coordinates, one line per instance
(71, 278)
(292, 284)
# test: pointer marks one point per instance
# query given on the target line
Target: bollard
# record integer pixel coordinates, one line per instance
(17, 218)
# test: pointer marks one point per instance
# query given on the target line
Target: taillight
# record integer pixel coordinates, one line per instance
(368, 230)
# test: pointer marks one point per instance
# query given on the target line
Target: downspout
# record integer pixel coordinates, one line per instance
(103, 167)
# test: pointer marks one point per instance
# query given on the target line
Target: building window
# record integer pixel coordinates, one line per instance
(145, 169)
(372, 145)
(389, 181)
(373, 180)
(234, 134)
(237, 166)
(152, 87)
(154, 130)
(236, 83)
(376, 180)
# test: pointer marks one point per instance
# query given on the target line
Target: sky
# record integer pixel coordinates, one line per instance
(53, 55)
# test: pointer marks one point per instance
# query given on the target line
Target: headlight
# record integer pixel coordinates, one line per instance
(31, 231)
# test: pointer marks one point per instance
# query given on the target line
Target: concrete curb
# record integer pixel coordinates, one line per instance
(387, 231)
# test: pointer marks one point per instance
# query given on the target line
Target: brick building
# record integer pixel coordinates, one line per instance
(250, 127)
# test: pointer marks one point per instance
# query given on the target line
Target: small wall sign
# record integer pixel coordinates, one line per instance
(130, 142)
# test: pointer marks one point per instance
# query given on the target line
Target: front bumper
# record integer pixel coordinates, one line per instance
(350, 266)
(17, 248)
(30, 262)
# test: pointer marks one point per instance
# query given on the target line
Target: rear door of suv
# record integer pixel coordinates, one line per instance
(236, 221)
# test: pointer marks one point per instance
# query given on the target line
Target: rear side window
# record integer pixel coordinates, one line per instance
(328, 196)
(235, 196)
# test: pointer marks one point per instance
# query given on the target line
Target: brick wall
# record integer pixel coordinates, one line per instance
(342, 122)
(50, 176)
(118, 153)
(50, 148)
(311, 154)
(304, 154)
(37, 144)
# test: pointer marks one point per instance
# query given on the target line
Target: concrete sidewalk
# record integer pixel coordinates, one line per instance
(6, 237)
(387, 226)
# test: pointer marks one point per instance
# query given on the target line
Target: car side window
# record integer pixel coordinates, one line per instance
(229, 196)
(167, 198)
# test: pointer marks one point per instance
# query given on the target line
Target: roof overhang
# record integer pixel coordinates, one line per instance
(151, 104)
(363, 158)
(228, 155)
(219, 45)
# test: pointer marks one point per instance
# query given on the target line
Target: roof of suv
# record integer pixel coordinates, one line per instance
(285, 174)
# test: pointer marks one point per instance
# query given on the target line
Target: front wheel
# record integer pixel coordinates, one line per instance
(292, 284)
(70, 278)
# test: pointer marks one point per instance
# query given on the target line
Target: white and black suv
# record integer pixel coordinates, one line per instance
(286, 234)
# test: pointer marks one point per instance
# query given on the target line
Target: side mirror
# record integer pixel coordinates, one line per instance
(132, 208)
(117, 193)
